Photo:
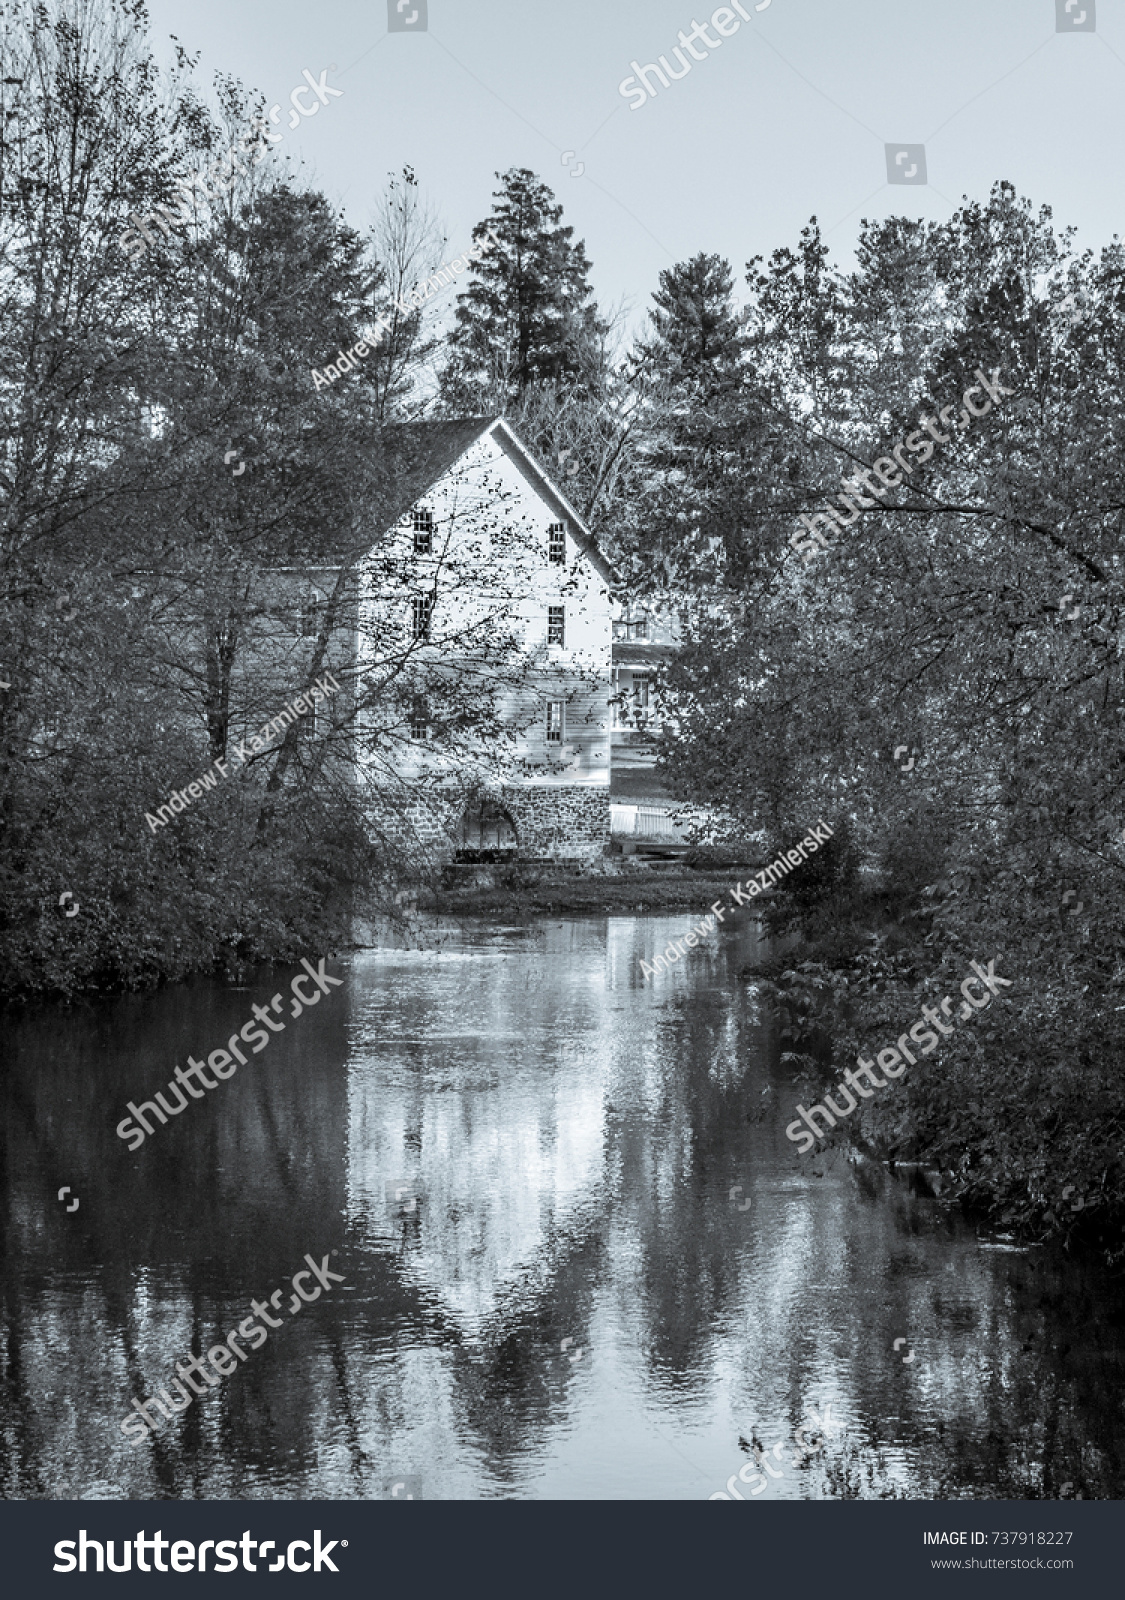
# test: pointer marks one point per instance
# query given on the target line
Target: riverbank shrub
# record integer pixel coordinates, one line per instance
(725, 856)
(831, 875)
(1021, 1109)
(912, 855)
(211, 892)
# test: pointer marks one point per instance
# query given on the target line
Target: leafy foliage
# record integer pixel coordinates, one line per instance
(157, 603)
(971, 616)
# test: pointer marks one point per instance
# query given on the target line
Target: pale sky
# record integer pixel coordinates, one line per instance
(785, 118)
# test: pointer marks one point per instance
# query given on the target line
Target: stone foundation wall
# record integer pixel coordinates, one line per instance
(427, 824)
(569, 822)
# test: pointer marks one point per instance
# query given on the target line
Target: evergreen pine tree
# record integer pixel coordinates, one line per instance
(689, 375)
(527, 316)
(695, 338)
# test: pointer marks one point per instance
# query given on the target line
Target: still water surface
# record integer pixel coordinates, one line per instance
(618, 1277)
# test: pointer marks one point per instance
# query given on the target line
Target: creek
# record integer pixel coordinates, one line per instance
(581, 1259)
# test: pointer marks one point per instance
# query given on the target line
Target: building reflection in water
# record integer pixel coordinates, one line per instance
(576, 1305)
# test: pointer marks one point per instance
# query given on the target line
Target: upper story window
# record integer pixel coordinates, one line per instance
(556, 544)
(420, 719)
(423, 531)
(423, 606)
(556, 624)
(555, 710)
(635, 629)
(308, 617)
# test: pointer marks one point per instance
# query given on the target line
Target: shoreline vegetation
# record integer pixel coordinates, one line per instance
(1016, 1121)
(513, 890)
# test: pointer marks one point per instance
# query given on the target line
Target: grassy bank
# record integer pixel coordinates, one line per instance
(516, 894)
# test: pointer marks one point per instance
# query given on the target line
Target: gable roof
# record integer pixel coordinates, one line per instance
(413, 456)
(522, 457)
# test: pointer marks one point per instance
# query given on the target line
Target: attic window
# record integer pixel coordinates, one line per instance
(423, 531)
(556, 543)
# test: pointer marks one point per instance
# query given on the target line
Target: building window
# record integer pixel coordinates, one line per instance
(308, 618)
(556, 544)
(642, 686)
(306, 725)
(420, 719)
(556, 624)
(423, 611)
(555, 721)
(637, 629)
(423, 532)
